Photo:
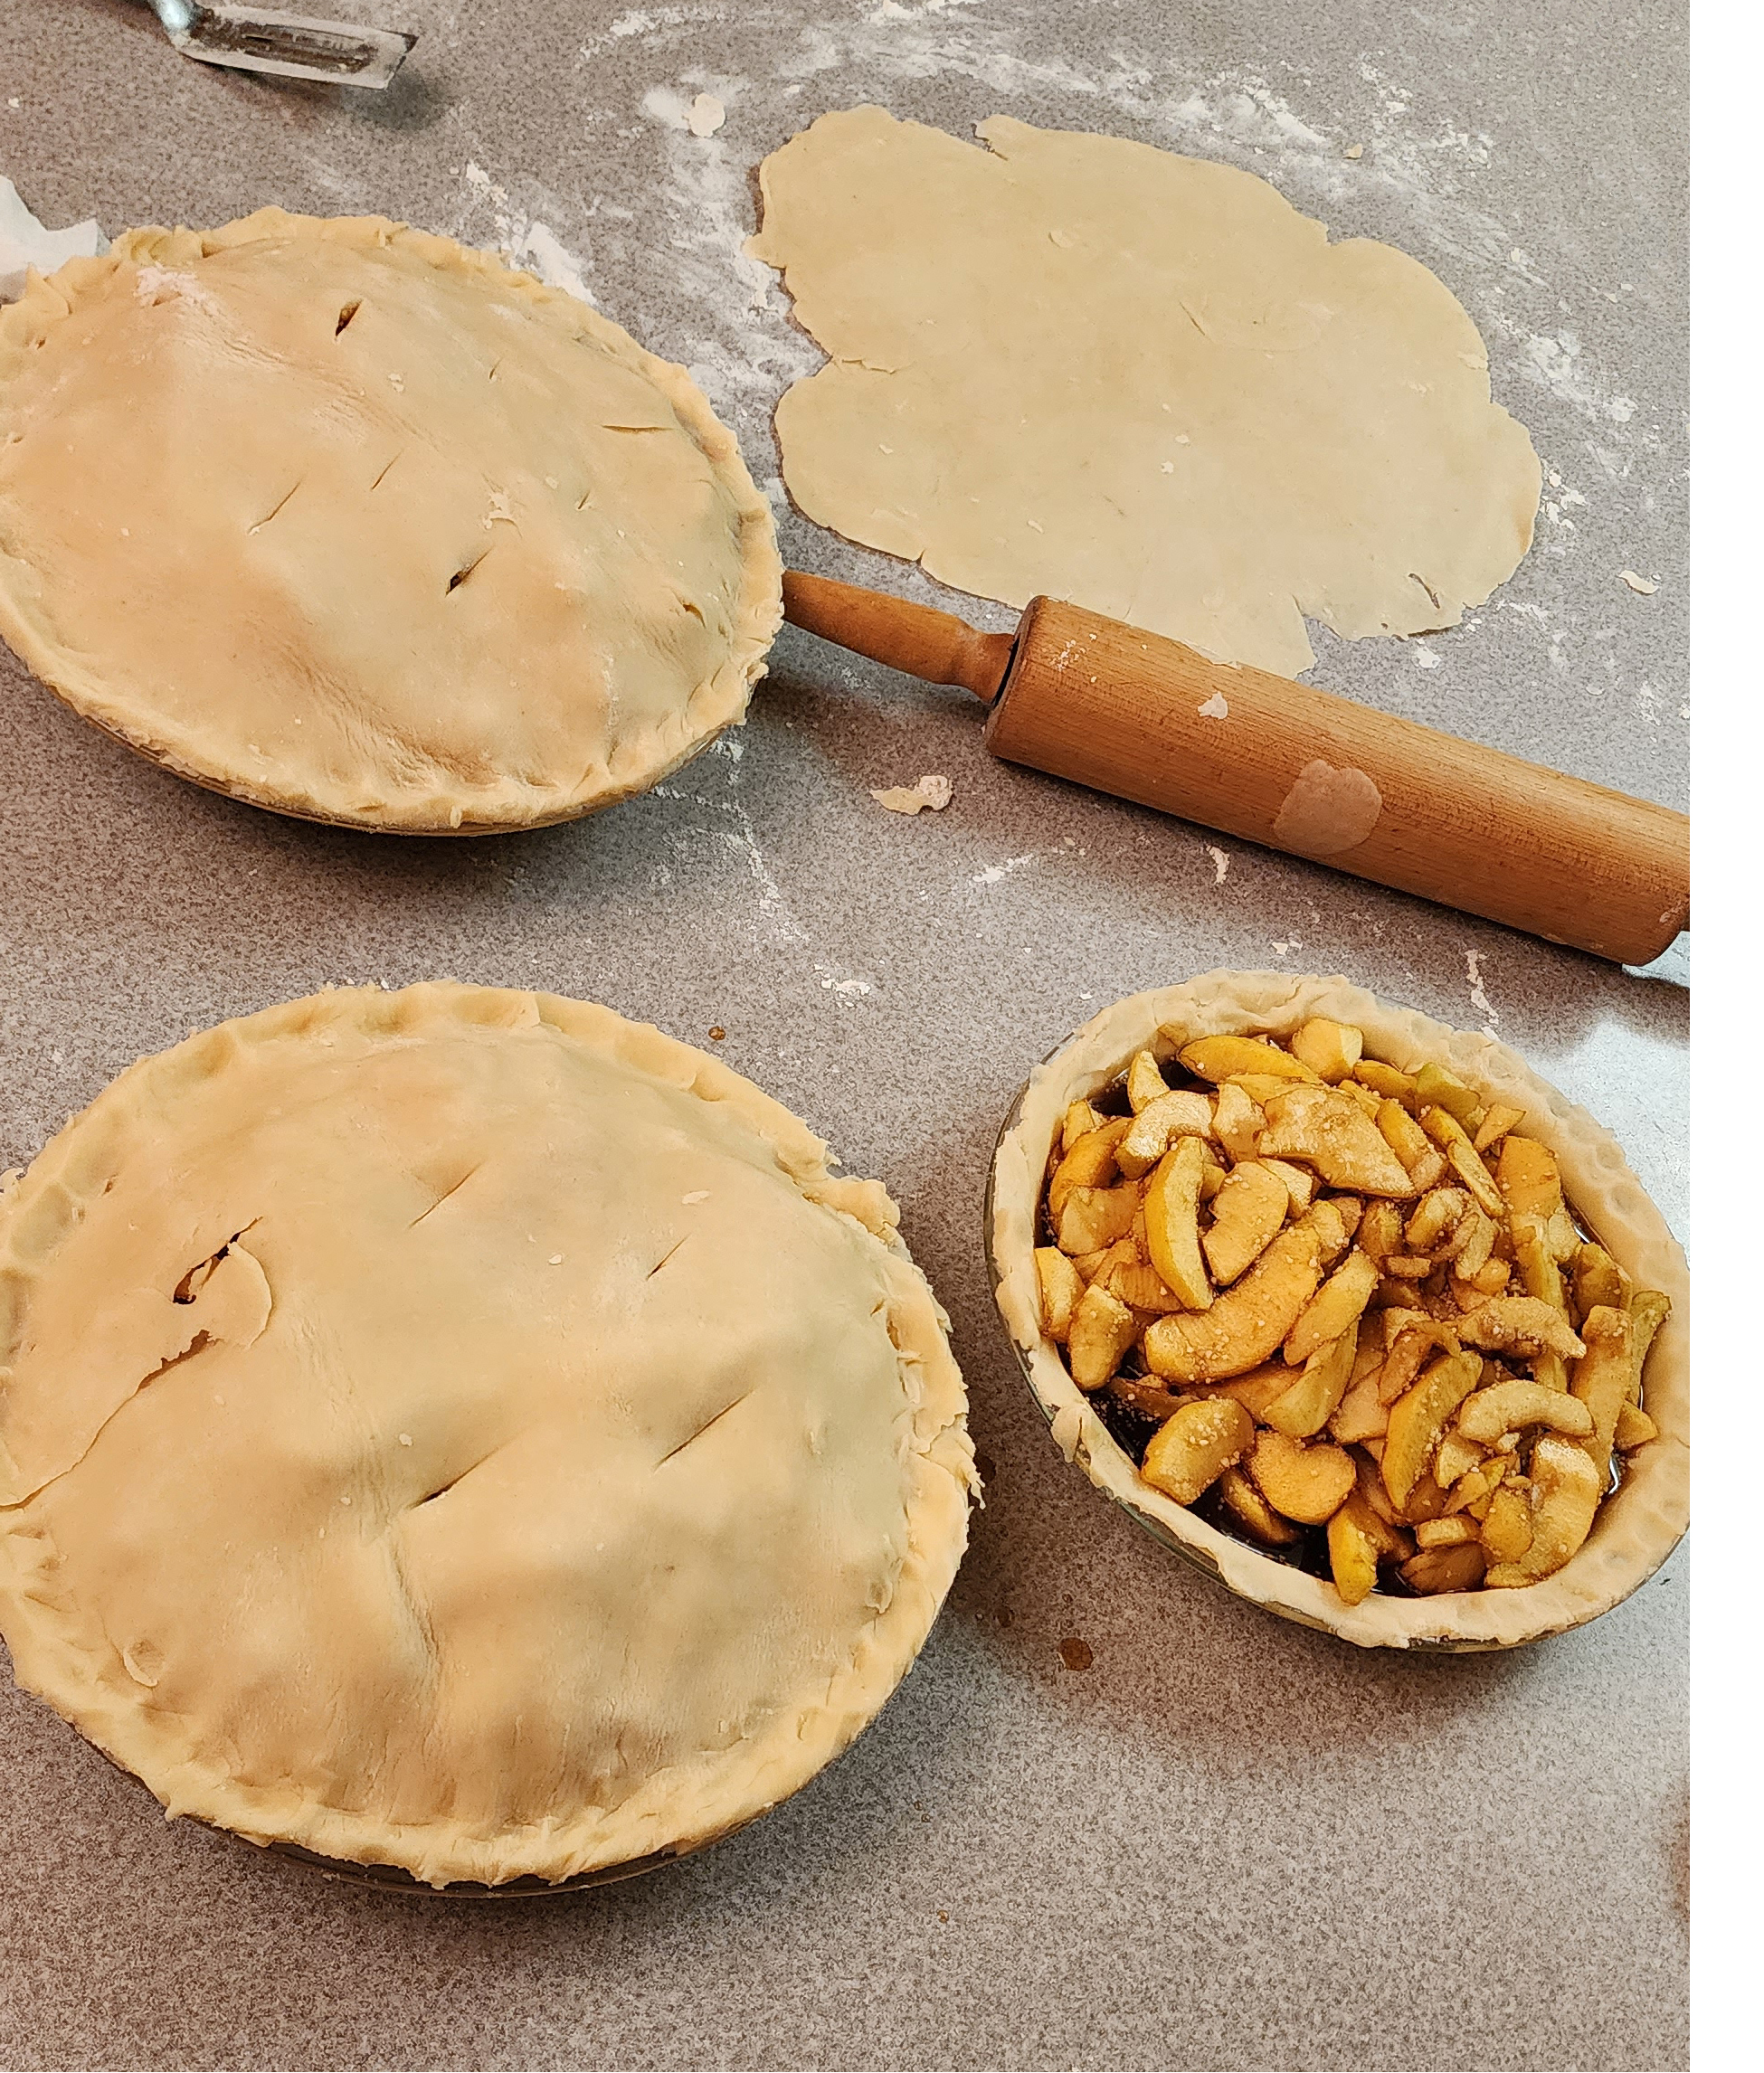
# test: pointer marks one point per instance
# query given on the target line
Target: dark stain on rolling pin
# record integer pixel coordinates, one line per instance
(1327, 812)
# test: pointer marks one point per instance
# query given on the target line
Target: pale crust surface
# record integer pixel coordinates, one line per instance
(354, 523)
(555, 1467)
(1636, 1528)
(1078, 365)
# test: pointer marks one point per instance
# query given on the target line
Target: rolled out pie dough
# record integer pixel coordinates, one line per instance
(463, 1430)
(1082, 366)
(349, 521)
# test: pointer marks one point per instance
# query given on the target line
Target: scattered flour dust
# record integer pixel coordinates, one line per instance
(993, 873)
(529, 243)
(743, 348)
(842, 987)
(934, 793)
(1479, 998)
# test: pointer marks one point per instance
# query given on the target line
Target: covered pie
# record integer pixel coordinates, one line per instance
(355, 523)
(465, 1430)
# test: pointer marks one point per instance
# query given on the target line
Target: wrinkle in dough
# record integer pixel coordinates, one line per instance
(1082, 366)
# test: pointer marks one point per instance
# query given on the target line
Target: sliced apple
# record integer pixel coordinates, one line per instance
(1433, 1570)
(1331, 1049)
(1530, 1181)
(1597, 1279)
(1417, 1418)
(1601, 1380)
(1352, 1555)
(1090, 1164)
(1524, 1325)
(1093, 1217)
(1103, 1327)
(1435, 1218)
(1247, 1212)
(1496, 1125)
(1385, 1081)
(1568, 1487)
(1307, 1483)
(1237, 1121)
(1191, 1450)
(1300, 1185)
(1062, 1290)
(1219, 1058)
(1409, 1352)
(1516, 1406)
(1455, 1458)
(1405, 1137)
(1172, 1228)
(1359, 1416)
(1436, 1087)
(1381, 1230)
(1146, 1082)
(1310, 1401)
(1334, 1311)
(1141, 1287)
(1081, 1119)
(1506, 1528)
(1336, 1137)
(1634, 1429)
(1158, 1125)
(1451, 1531)
(1245, 1323)
(1258, 1389)
(1253, 1512)
(1472, 1244)
(1648, 1311)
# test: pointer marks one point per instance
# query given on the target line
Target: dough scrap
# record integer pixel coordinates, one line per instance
(465, 1430)
(934, 793)
(1082, 366)
(354, 523)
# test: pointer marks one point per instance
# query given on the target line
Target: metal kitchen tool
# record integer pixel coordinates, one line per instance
(1282, 763)
(292, 46)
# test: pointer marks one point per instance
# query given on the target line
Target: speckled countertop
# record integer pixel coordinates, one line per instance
(1228, 1842)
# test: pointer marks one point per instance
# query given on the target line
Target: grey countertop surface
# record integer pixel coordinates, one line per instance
(1228, 1842)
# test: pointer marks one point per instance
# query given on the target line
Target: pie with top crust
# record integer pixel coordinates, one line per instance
(463, 1430)
(357, 524)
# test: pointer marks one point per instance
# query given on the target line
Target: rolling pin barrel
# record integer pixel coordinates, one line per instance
(1283, 764)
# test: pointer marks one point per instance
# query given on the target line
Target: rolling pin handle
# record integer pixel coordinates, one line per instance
(934, 645)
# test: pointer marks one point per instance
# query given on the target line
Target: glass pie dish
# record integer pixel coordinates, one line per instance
(1636, 1524)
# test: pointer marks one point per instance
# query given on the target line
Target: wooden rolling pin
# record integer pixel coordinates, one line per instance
(1280, 763)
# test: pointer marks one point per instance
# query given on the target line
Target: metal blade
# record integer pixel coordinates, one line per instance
(292, 46)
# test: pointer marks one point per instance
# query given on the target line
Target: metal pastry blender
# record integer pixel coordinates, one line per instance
(292, 46)
(1296, 769)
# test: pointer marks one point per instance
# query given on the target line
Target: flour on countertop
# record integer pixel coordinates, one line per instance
(1479, 998)
(992, 872)
(745, 348)
(529, 243)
